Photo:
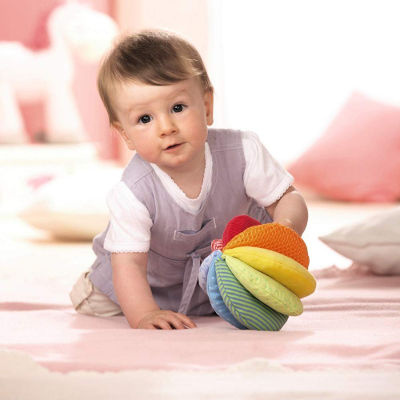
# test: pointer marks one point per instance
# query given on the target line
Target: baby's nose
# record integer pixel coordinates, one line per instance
(167, 126)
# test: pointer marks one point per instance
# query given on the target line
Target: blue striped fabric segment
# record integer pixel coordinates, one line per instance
(246, 309)
(215, 297)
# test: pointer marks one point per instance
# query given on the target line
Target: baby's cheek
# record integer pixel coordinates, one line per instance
(198, 128)
(150, 155)
(147, 150)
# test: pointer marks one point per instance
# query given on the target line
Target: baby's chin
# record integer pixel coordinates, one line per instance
(181, 164)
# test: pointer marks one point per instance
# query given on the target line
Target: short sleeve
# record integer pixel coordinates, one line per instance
(130, 222)
(265, 180)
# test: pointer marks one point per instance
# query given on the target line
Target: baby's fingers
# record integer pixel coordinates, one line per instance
(162, 323)
(186, 320)
(176, 321)
(170, 320)
(166, 320)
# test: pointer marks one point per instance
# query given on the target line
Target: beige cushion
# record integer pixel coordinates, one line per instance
(72, 206)
(374, 242)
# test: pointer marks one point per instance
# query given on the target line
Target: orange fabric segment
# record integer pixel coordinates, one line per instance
(275, 237)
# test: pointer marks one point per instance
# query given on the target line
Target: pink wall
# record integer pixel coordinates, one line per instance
(19, 20)
(24, 21)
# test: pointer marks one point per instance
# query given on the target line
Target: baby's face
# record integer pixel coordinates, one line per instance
(166, 125)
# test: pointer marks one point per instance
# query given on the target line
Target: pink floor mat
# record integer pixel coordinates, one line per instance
(352, 320)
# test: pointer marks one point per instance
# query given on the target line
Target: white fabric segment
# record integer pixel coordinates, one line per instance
(264, 179)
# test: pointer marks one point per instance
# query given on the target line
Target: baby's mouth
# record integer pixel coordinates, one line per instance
(173, 146)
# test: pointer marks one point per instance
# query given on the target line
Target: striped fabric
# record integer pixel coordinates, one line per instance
(216, 299)
(246, 309)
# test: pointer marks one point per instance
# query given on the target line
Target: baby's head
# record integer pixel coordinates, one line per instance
(150, 57)
(159, 98)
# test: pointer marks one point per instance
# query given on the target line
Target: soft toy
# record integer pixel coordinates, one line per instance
(46, 76)
(257, 274)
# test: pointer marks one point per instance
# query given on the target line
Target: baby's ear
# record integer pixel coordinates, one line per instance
(209, 106)
(117, 127)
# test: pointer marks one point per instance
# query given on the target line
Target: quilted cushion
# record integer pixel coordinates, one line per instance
(243, 305)
(357, 157)
(264, 288)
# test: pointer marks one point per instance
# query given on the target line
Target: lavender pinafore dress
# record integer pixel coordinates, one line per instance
(180, 240)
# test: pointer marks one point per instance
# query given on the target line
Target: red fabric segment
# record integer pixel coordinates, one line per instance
(236, 225)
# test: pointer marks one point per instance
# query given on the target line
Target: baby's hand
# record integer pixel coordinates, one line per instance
(165, 319)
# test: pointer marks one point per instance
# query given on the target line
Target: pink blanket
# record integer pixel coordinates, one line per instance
(352, 320)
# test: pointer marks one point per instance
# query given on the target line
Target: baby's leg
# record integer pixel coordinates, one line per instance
(87, 299)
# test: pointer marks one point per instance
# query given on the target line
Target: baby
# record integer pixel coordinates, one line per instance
(182, 186)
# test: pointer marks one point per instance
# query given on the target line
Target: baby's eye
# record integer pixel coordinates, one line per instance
(178, 108)
(144, 119)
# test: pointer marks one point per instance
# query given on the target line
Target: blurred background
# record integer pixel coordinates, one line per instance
(283, 69)
(318, 80)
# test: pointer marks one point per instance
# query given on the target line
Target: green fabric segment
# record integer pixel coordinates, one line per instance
(283, 269)
(248, 310)
(266, 289)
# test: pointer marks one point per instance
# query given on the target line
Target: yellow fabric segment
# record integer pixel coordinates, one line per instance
(266, 289)
(283, 269)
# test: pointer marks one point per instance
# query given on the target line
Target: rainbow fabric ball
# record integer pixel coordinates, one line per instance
(257, 279)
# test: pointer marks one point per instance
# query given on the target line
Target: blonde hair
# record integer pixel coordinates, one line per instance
(152, 57)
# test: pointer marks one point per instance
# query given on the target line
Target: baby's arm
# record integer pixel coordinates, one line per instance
(135, 297)
(290, 210)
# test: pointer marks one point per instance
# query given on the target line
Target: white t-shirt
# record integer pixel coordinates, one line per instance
(264, 179)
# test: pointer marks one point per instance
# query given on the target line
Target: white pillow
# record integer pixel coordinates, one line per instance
(73, 206)
(374, 242)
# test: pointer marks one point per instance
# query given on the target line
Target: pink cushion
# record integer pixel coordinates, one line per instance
(358, 157)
